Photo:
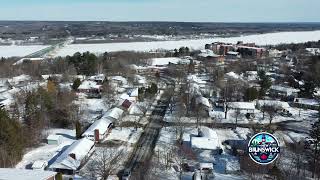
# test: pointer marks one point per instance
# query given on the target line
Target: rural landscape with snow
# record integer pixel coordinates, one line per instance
(153, 100)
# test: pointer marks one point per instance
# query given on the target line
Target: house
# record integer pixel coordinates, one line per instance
(279, 105)
(90, 87)
(233, 55)
(135, 110)
(203, 101)
(134, 93)
(242, 106)
(99, 129)
(20, 81)
(114, 113)
(39, 165)
(207, 140)
(70, 159)
(54, 139)
(24, 174)
(306, 103)
(283, 91)
(99, 79)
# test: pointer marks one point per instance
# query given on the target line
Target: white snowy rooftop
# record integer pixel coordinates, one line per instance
(89, 85)
(202, 100)
(312, 102)
(79, 148)
(114, 113)
(288, 90)
(276, 103)
(209, 140)
(102, 125)
(241, 105)
(24, 174)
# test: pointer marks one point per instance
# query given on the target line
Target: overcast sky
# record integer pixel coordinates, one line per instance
(163, 10)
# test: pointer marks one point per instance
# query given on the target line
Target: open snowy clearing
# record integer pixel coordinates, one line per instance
(260, 39)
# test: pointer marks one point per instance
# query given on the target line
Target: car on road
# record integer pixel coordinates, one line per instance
(126, 174)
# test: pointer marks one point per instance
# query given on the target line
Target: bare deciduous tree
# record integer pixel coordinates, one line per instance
(104, 163)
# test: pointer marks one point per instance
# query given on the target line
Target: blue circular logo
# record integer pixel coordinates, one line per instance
(263, 148)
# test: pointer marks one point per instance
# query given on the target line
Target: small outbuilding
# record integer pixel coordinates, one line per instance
(39, 165)
(54, 139)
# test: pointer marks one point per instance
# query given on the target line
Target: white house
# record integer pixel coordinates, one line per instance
(70, 159)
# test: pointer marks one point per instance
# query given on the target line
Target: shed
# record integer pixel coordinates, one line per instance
(54, 139)
(39, 165)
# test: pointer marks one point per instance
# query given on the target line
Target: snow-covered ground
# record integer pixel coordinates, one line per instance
(46, 152)
(260, 39)
(9, 51)
(70, 49)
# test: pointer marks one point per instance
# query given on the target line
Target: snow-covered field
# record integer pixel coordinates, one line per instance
(9, 51)
(260, 39)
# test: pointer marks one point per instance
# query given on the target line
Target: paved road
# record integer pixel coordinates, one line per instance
(144, 148)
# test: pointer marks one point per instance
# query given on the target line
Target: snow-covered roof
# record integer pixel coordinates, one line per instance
(140, 79)
(119, 78)
(209, 139)
(102, 125)
(202, 100)
(99, 77)
(196, 79)
(168, 60)
(54, 137)
(275, 103)
(233, 75)
(204, 143)
(206, 166)
(47, 76)
(135, 110)
(233, 53)
(208, 133)
(305, 101)
(39, 164)
(288, 90)
(207, 53)
(19, 79)
(134, 92)
(241, 105)
(89, 85)
(19, 174)
(27, 59)
(79, 148)
(114, 113)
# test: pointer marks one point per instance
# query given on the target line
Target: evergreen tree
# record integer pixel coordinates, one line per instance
(251, 94)
(11, 140)
(76, 84)
(315, 134)
(265, 83)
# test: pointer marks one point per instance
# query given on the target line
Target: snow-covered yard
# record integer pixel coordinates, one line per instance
(47, 152)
